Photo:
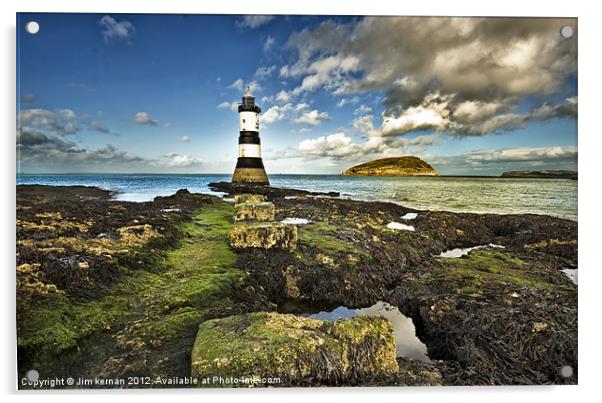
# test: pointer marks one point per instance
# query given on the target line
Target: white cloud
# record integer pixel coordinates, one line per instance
(475, 111)
(345, 101)
(326, 72)
(173, 160)
(313, 118)
(237, 84)
(523, 154)
(167, 125)
(300, 106)
(276, 113)
(495, 161)
(185, 139)
(269, 43)
(254, 86)
(112, 29)
(433, 114)
(264, 72)
(365, 126)
(283, 96)
(233, 106)
(143, 118)
(254, 21)
(339, 147)
(362, 110)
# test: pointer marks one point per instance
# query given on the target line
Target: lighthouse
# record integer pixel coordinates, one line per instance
(249, 167)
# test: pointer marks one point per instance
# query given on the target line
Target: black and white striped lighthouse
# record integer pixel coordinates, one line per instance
(249, 167)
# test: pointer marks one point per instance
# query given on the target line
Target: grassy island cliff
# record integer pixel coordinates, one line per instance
(396, 166)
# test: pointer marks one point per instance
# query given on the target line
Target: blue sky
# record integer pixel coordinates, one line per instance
(156, 93)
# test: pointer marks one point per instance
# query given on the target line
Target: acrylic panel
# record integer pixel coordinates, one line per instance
(295, 200)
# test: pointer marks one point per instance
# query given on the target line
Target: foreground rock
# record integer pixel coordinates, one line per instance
(494, 316)
(399, 166)
(241, 189)
(298, 350)
(100, 282)
(264, 235)
(116, 289)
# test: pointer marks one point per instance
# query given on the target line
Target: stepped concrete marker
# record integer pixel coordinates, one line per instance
(254, 212)
(264, 235)
(249, 198)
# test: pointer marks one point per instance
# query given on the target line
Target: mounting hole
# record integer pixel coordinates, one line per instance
(32, 375)
(32, 27)
(566, 371)
(566, 32)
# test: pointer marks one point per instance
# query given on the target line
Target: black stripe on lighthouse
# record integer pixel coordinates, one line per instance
(249, 162)
(248, 138)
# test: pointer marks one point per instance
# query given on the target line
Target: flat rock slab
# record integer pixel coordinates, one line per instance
(254, 211)
(295, 349)
(249, 198)
(264, 235)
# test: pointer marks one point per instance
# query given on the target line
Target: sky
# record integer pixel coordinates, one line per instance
(137, 93)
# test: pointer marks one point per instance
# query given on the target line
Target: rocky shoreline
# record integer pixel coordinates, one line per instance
(119, 289)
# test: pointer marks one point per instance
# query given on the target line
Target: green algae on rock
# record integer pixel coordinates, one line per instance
(248, 211)
(264, 235)
(249, 198)
(168, 279)
(486, 269)
(295, 349)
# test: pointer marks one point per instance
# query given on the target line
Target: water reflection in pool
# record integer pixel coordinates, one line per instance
(408, 345)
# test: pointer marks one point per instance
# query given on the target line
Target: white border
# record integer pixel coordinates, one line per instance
(589, 185)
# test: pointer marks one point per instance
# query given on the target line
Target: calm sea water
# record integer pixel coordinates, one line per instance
(555, 197)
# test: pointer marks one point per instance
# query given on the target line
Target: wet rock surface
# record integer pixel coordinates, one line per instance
(493, 316)
(248, 211)
(87, 269)
(249, 198)
(264, 235)
(296, 350)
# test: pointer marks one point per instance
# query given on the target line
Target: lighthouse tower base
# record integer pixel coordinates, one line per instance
(246, 174)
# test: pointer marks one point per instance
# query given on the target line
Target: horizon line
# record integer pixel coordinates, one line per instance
(229, 174)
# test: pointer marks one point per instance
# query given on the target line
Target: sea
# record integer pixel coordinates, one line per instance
(553, 197)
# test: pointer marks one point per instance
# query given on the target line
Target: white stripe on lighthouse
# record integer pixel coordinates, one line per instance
(249, 150)
(249, 121)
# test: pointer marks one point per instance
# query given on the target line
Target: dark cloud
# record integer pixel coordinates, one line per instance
(58, 122)
(41, 149)
(99, 127)
(38, 150)
(466, 76)
(29, 98)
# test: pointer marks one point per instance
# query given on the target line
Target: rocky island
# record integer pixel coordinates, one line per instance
(545, 174)
(186, 286)
(397, 166)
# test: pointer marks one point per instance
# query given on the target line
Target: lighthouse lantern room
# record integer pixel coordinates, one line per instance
(249, 167)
